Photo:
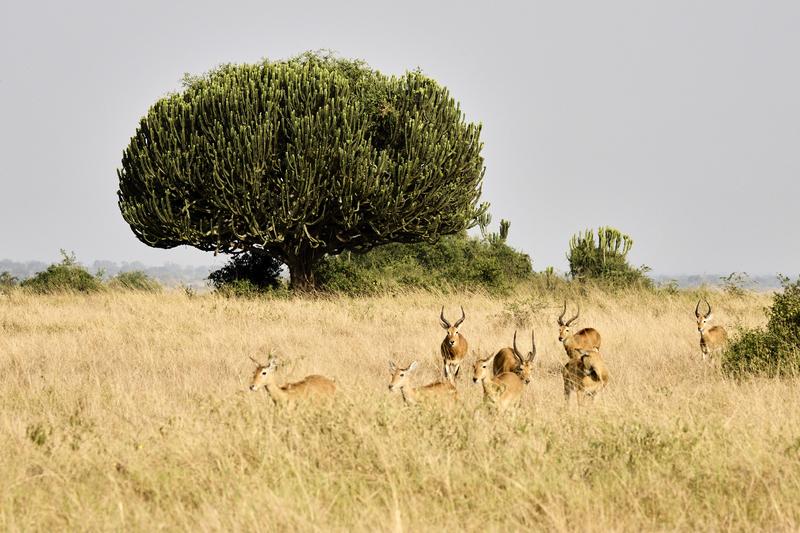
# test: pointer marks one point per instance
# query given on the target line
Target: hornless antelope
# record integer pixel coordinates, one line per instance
(585, 375)
(511, 360)
(712, 339)
(585, 339)
(437, 391)
(503, 390)
(454, 346)
(311, 387)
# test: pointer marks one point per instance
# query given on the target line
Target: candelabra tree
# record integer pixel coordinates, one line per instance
(300, 159)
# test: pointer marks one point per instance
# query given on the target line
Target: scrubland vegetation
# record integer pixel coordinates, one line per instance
(129, 410)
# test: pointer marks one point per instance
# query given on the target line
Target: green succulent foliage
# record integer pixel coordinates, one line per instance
(604, 258)
(66, 276)
(301, 158)
(774, 350)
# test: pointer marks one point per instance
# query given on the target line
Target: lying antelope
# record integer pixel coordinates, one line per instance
(712, 339)
(503, 390)
(311, 387)
(511, 360)
(585, 339)
(454, 346)
(585, 375)
(437, 391)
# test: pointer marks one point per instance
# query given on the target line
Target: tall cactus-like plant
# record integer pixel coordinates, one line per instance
(299, 159)
(600, 256)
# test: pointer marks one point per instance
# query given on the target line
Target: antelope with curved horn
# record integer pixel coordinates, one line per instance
(310, 387)
(511, 360)
(711, 339)
(503, 390)
(454, 346)
(585, 339)
(439, 390)
(585, 375)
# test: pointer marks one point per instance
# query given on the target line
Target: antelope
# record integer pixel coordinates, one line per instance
(511, 360)
(585, 375)
(311, 387)
(437, 391)
(454, 346)
(503, 390)
(712, 339)
(585, 339)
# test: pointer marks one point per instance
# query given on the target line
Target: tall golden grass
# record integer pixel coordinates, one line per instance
(129, 411)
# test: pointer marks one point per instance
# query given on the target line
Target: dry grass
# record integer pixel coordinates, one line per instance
(126, 411)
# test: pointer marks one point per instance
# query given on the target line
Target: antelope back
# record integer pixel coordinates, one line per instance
(313, 385)
(505, 361)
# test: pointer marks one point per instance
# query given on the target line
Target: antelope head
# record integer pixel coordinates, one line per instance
(702, 319)
(400, 375)
(482, 369)
(452, 330)
(525, 363)
(563, 327)
(261, 375)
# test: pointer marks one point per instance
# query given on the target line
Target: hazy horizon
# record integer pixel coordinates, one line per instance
(675, 122)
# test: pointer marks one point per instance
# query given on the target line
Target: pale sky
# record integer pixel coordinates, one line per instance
(676, 121)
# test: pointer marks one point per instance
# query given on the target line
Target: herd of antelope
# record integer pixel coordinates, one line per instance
(503, 375)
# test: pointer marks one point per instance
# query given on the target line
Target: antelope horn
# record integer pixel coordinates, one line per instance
(697, 309)
(561, 316)
(576, 316)
(445, 323)
(253, 360)
(516, 350)
(460, 320)
(709, 307)
(533, 346)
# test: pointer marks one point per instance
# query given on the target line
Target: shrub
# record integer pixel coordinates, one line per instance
(775, 350)
(66, 276)
(134, 281)
(7, 282)
(247, 273)
(454, 262)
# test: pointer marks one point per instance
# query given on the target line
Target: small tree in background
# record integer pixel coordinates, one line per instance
(603, 257)
(255, 271)
(301, 159)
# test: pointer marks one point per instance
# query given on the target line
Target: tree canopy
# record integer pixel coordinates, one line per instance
(301, 159)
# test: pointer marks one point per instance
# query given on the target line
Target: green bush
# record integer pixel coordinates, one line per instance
(775, 350)
(66, 276)
(455, 262)
(134, 281)
(247, 274)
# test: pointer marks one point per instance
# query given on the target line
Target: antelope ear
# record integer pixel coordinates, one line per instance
(392, 367)
(709, 317)
(412, 366)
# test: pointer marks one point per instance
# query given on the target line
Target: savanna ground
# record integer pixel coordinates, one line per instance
(129, 411)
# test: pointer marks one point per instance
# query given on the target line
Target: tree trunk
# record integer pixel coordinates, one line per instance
(301, 272)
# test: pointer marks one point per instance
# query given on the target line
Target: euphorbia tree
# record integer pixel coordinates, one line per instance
(301, 158)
